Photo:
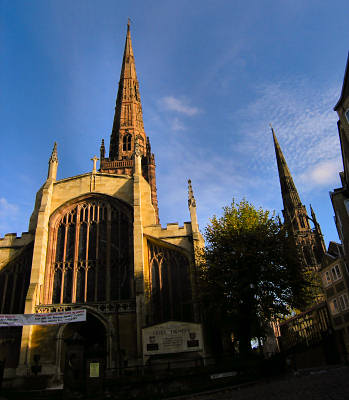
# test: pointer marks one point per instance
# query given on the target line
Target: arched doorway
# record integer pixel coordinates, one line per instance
(84, 354)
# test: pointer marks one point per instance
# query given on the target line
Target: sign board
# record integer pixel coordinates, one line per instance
(65, 317)
(172, 337)
(94, 370)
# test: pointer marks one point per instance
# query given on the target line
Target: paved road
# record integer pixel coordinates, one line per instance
(331, 384)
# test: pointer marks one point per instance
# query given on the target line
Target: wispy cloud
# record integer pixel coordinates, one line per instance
(179, 105)
(305, 126)
(177, 125)
(321, 174)
(7, 209)
(9, 213)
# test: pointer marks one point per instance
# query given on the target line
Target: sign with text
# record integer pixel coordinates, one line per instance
(172, 337)
(64, 317)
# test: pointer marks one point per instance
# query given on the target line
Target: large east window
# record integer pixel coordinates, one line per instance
(91, 254)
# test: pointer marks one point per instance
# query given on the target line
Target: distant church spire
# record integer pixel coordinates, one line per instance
(289, 192)
(309, 241)
(128, 117)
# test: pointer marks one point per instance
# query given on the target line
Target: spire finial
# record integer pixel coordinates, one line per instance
(128, 23)
(54, 156)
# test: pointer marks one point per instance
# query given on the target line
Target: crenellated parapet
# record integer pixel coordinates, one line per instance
(173, 233)
(14, 241)
(11, 245)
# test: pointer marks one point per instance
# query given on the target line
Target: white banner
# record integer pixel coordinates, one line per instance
(65, 317)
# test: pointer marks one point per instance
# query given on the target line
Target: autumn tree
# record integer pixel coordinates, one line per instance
(250, 272)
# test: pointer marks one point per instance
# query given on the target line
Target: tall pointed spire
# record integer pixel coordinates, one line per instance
(128, 118)
(128, 129)
(309, 242)
(289, 192)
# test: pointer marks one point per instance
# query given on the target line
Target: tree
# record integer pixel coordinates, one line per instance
(249, 272)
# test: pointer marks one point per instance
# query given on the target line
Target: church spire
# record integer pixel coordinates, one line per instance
(309, 243)
(289, 192)
(128, 117)
(128, 130)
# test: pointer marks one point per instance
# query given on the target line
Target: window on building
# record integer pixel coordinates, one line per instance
(347, 115)
(170, 287)
(336, 273)
(326, 278)
(126, 143)
(334, 306)
(91, 256)
(301, 220)
(344, 302)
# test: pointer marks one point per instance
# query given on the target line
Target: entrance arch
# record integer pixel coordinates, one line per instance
(83, 341)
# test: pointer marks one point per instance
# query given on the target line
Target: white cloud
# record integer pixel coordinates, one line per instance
(9, 214)
(304, 122)
(179, 105)
(322, 174)
(7, 209)
(177, 125)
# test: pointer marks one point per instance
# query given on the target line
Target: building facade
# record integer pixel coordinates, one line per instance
(95, 242)
(340, 196)
(335, 280)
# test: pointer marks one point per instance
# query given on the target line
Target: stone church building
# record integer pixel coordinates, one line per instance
(95, 242)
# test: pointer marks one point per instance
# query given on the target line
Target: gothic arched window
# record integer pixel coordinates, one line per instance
(126, 142)
(170, 285)
(91, 254)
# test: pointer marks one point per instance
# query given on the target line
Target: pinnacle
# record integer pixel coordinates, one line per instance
(54, 155)
(191, 198)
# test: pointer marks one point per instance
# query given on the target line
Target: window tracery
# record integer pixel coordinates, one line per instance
(91, 256)
(170, 285)
(14, 282)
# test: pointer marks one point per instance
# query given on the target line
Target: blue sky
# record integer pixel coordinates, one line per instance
(213, 75)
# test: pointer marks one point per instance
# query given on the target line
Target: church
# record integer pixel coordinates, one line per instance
(94, 242)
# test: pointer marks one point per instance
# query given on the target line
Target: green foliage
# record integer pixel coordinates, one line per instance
(250, 272)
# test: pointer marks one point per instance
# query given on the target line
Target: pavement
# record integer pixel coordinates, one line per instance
(313, 384)
(329, 383)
